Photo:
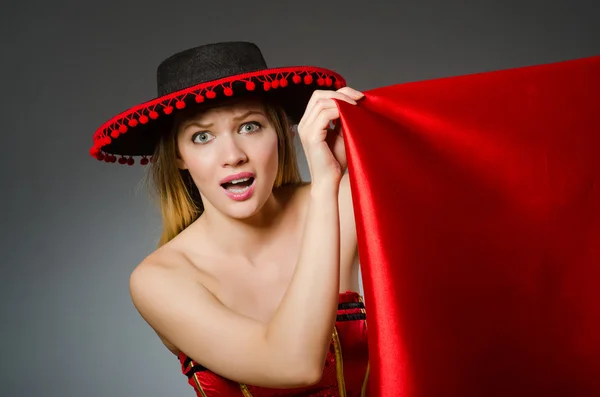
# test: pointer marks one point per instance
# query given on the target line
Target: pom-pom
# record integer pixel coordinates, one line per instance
(320, 81)
(143, 119)
(122, 128)
(153, 115)
(296, 79)
(168, 110)
(132, 123)
(114, 133)
(144, 161)
(328, 81)
(250, 86)
(199, 98)
(266, 86)
(130, 161)
(211, 94)
(308, 79)
(283, 83)
(228, 91)
(275, 84)
(179, 104)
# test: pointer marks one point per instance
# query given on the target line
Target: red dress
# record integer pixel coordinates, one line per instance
(345, 373)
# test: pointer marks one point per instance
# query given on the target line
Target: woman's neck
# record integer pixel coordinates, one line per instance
(246, 237)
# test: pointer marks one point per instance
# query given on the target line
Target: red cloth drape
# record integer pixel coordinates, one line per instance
(477, 201)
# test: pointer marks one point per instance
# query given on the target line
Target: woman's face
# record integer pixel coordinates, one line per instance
(231, 154)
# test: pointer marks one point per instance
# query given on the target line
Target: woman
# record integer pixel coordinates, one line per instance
(251, 285)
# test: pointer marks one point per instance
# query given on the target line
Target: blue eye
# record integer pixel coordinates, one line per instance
(252, 126)
(202, 137)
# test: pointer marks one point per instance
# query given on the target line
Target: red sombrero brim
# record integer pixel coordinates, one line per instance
(136, 131)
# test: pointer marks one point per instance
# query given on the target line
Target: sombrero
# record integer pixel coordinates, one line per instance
(199, 76)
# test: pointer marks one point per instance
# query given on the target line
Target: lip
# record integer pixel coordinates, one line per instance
(241, 196)
(233, 177)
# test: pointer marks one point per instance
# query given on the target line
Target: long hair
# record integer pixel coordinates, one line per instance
(179, 198)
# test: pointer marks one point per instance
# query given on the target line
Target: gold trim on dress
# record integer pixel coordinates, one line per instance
(339, 363)
(245, 390)
(363, 391)
(198, 385)
(364, 386)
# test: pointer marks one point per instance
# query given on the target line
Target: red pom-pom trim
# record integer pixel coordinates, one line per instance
(143, 113)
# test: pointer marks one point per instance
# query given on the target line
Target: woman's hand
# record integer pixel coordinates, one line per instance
(324, 146)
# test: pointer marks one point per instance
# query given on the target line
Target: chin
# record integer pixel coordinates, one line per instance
(241, 211)
(245, 208)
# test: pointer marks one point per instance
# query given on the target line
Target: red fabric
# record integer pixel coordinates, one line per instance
(478, 211)
(352, 335)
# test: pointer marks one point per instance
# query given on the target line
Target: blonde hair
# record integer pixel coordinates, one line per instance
(179, 199)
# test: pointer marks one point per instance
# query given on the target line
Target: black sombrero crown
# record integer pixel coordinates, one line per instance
(199, 75)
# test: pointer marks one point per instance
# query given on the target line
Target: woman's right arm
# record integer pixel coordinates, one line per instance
(289, 350)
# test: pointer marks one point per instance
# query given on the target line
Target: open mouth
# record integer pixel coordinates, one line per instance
(238, 186)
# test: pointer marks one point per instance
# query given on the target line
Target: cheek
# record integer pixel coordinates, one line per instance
(199, 166)
(267, 152)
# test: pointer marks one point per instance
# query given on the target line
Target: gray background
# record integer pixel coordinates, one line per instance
(73, 228)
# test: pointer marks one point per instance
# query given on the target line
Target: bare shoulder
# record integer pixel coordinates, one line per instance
(163, 269)
(161, 285)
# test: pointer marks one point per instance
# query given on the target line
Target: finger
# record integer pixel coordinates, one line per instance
(312, 113)
(320, 122)
(351, 92)
(326, 94)
(323, 94)
(325, 116)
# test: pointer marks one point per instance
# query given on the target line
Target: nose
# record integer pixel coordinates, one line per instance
(233, 154)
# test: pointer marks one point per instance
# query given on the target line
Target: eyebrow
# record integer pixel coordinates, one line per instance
(236, 119)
